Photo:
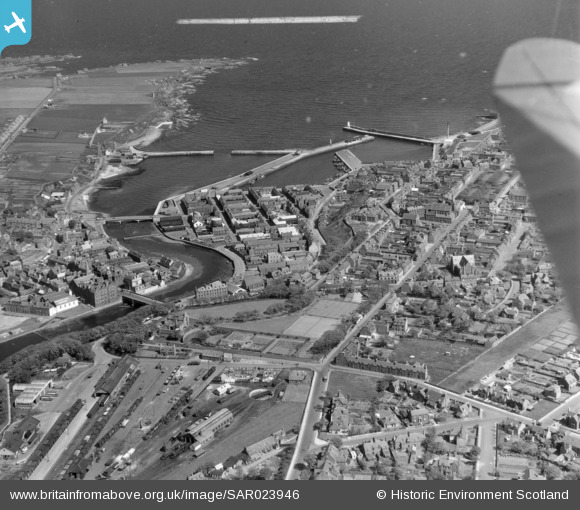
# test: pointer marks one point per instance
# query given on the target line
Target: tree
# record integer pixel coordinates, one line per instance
(552, 472)
(310, 460)
(429, 443)
(206, 319)
(336, 441)
(398, 473)
(199, 336)
(572, 475)
(474, 453)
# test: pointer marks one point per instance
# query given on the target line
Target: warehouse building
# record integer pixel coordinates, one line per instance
(203, 431)
(115, 376)
(29, 394)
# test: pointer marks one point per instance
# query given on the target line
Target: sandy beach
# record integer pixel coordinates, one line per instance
(149, 136)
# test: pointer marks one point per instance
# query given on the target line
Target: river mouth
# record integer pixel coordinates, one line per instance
(144, 238)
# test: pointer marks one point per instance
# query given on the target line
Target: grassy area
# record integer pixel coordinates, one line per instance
(228, 311)
(441, 358)
(356, 386)
(518, 342)
(275, 326)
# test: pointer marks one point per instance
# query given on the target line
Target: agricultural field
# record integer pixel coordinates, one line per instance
(45, 166)
(21, 97)
(75, 118)
(7, 115)
(45, 136)
(106, 96)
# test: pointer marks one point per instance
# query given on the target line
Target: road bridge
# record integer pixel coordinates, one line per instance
(131, 219)
(137, 299)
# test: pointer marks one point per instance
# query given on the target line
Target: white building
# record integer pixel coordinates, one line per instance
(223, 389)
(29, 394)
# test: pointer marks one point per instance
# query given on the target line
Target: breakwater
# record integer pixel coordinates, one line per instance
(263, 152)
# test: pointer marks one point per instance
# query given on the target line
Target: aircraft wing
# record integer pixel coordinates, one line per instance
(537, 87)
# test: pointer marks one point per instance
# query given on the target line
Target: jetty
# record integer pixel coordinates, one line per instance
(145, 154)
(423, 140)
(279, 152)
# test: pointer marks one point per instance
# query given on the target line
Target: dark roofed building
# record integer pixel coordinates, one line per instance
(113, 377)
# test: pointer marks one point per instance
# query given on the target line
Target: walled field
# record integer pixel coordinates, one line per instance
(285, 347)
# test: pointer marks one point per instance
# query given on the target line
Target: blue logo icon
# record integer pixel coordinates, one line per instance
(15, 22)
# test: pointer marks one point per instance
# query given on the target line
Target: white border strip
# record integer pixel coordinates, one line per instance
(269, 21)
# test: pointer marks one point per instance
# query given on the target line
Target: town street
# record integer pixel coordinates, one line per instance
(486, 442)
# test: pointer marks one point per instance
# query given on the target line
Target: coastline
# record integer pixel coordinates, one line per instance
(150, 135)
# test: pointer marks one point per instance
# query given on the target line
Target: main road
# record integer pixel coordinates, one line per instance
(306, 433)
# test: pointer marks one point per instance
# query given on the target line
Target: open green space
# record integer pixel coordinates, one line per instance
(332, 308)
(485, 187)
(442, 358)
(230, 310)
(275, 326)
(356, 386)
